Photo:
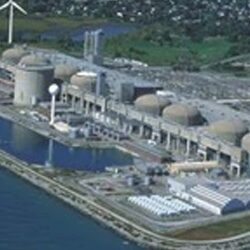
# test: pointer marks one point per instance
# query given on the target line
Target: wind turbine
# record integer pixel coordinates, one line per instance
(11, 4)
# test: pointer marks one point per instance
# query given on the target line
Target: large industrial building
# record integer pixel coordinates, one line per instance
(214, 197)
(131, 106)
(111, 105)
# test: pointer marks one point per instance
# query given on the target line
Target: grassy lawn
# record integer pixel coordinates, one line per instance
(41, 24)
(208, 51)
(133, 45)
(216, 231)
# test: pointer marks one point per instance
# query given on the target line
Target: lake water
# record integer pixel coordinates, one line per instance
(77, 35)
(33, 148)
(32, 220)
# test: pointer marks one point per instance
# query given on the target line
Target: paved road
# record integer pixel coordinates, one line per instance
(237, 242)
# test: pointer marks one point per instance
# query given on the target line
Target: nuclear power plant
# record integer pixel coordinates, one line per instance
(192, 150)
(127, 107)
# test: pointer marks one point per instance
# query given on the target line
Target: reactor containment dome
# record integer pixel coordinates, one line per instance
(151, 103)
(183, 115)
(63, 72)
(14, 55)
(85, 80)
(245, 143)
(229, 130)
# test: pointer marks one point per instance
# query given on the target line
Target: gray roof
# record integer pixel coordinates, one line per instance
(34, 61)
(14, 55)
(229, 130)
(151, 103)
(64, 71)
(245, 142)
(183, 114)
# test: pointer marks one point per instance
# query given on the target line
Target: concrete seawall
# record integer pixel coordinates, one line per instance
(82, 202)
(89, 205)
(14, 116)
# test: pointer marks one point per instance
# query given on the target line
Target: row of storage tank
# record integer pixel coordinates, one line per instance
(233, 131)
(35, 74)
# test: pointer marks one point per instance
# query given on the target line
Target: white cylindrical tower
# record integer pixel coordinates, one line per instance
(53, 90)
(34, 75)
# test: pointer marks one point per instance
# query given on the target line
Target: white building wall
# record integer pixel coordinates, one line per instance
(206, 205)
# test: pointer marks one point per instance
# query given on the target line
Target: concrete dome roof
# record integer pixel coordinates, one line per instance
(34, 61)
(14, 55)
(229, 130)
(151, 103)
(84, 80)
(245, 142)
(64, 71)
(184, 115)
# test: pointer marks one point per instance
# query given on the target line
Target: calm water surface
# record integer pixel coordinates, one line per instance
(77, 35)
(33, 148)
(31, 220)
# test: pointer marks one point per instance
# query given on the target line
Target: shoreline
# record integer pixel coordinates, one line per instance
(82, 203)
(90, 206)
(50, 133)
(125, 150)
(18, 119)
(71, 206)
